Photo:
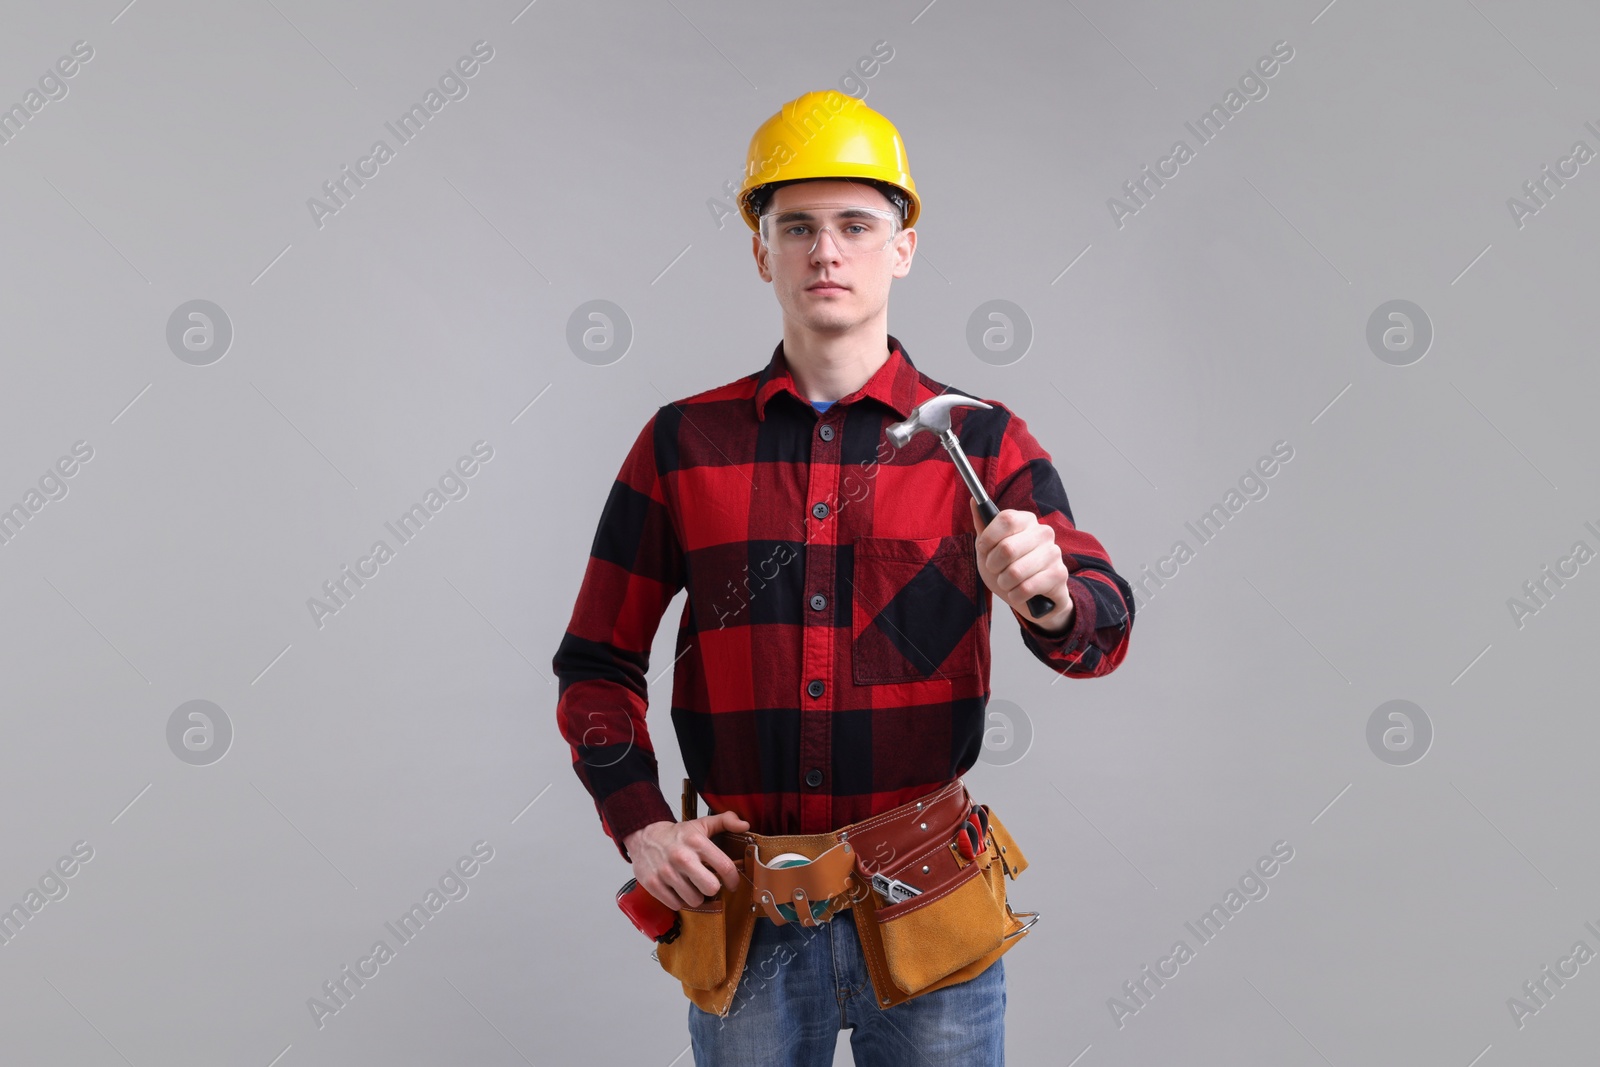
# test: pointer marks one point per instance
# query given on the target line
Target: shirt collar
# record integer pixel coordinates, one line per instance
(894, 383)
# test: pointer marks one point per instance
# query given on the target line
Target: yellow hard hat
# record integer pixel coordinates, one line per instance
(826, 135)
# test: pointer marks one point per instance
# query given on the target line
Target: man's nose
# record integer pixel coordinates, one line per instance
(816, 249)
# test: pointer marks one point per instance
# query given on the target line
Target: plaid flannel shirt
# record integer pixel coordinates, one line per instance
(832, 658)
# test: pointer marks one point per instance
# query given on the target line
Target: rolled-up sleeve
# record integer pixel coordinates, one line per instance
(635, 568)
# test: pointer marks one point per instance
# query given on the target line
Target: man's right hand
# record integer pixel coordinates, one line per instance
(679, 864)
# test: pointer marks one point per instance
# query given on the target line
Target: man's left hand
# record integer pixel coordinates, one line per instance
(1018, 558)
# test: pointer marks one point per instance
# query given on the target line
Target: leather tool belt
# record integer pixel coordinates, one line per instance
(956, 926)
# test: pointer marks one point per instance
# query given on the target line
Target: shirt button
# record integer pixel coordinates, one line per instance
(816, 687)
(813, 778)
(820, 510)
(826, 432)
(818, 602)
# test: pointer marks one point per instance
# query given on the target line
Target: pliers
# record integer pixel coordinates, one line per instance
(973, 837)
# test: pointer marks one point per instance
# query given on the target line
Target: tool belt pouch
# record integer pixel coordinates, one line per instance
(698, 956)
(960, 922)
(709, 938)
(814, 892)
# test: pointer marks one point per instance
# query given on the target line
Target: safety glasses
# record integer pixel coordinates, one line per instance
(856, 231)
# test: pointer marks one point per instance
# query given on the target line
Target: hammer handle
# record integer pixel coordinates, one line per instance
(1039, 604)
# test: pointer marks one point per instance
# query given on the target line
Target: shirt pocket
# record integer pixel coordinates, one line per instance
(914, 609)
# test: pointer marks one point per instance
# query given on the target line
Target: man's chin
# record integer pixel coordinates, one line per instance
(827, 314)
(831, 324)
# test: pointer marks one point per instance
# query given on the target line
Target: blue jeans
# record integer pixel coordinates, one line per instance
(801, 986)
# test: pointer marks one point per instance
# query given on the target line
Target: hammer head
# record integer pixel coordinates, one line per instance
(932, 414)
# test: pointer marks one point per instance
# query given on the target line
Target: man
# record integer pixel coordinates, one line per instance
(832, 659)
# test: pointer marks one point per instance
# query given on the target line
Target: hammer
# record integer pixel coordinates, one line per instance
(934, 415)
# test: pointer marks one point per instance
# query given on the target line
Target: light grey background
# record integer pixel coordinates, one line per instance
(431, 312)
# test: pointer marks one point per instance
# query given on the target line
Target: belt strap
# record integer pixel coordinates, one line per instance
(691, 806)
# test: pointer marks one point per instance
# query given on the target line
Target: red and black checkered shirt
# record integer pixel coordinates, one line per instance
(832, 659)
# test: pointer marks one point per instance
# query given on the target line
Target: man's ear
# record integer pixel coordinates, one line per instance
(761, 263)
(905, 245)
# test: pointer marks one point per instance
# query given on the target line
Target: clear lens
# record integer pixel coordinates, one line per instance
(855, 231)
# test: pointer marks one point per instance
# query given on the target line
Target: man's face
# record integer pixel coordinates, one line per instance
(858, 286)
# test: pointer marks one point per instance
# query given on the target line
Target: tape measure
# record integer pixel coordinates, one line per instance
(794, 859)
